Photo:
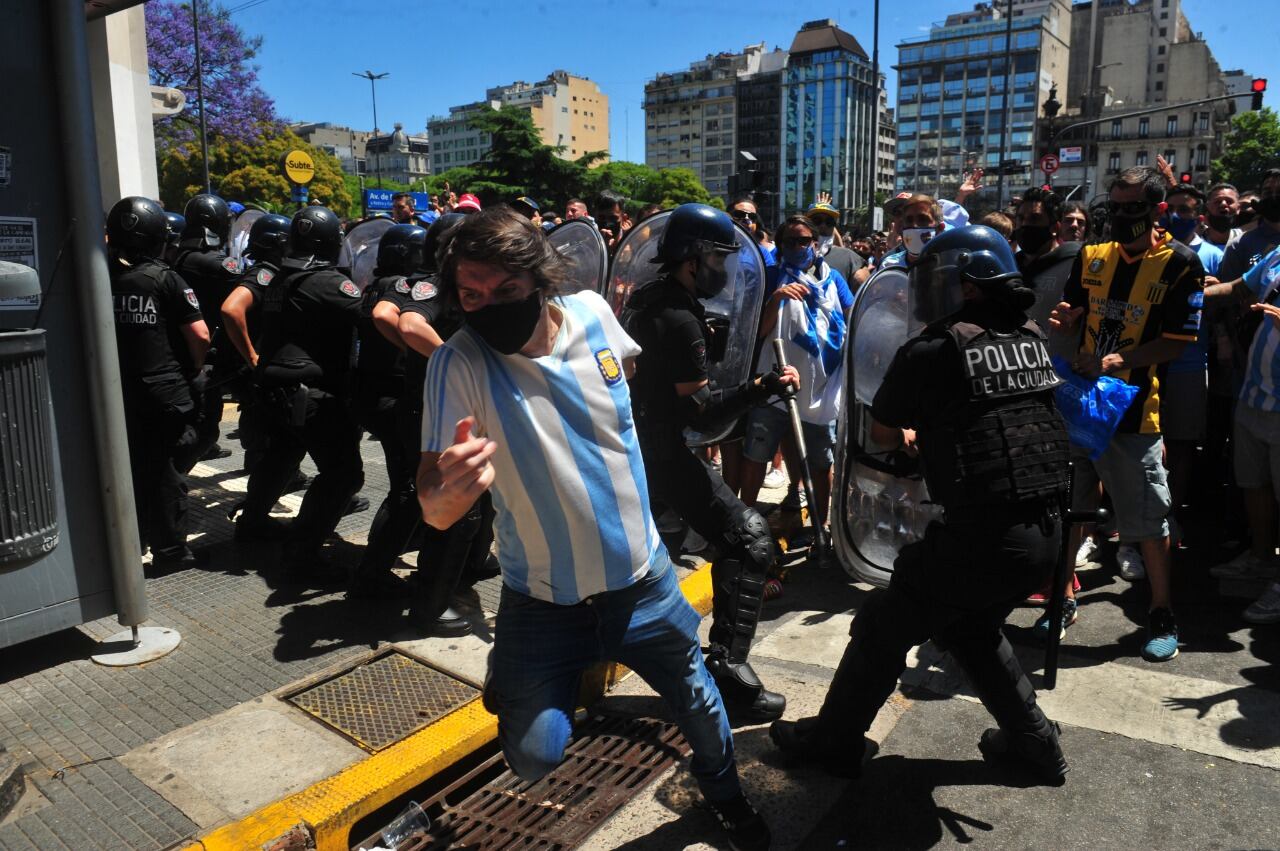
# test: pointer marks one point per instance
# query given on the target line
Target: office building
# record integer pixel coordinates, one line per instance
(399, 157)
(346, 144)
(568, 111)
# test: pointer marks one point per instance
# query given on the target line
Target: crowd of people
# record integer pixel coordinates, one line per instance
(510, 413)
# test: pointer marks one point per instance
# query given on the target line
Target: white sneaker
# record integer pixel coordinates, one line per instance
(1244, 566)
(775, 478)
(1265, 609)
(1132, 567)
(1087, 553)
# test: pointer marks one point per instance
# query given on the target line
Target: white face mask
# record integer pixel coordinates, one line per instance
(824, 245)
(915, 239)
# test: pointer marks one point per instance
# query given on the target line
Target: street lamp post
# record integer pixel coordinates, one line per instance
(204, 134)
(373, 78)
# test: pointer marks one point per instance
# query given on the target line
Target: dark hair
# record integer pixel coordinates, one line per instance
(998, 222)
(607, 200)
(649, 210)
(1075, 207)
(1049, 201)
(1186, 189)
(792, 222)
(572, 201)
(1269, 174)
(1219, 187)
(743, 199)
(1151, 181)
(503, 237)
(396, 197)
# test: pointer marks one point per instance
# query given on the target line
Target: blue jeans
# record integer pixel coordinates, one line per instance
(541, 649)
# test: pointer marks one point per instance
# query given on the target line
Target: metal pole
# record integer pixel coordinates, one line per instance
(97, 318)
(819, 549)
(1008, 96)
(875, 117)
(204, 134)
(373, 91)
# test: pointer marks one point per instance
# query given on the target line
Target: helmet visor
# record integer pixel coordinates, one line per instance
(934, 289)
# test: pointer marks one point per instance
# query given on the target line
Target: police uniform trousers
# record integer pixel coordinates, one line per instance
(956, 585)
(155, 433)
(681, 482)
(319, 424)
(207, 422)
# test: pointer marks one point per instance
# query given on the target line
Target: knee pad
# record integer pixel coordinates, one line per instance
(749, 534)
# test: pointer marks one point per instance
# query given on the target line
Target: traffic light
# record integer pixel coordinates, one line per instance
(1185, 177)
(1259, 86)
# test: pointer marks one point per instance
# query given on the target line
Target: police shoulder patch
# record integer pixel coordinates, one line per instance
(348, 288)
(232, 265)
(609, 366)
(424, 290)
(190, 296)
(699, 353)
(402, 286)
(264, 276)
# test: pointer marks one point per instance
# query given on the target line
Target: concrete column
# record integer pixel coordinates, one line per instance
(122, 106)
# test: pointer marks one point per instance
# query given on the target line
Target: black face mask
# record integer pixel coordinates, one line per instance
(1269, 208)
(711, 277)
(1033, 238)
(506, 327)
(1220, 223)
(1127, 229)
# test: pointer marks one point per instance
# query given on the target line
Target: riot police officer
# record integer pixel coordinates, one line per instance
(309, 317)
(202, 261)
(162, 339)
(177, 224)
(976, 387)
(241, 323)
(671, 391)
(379, 387)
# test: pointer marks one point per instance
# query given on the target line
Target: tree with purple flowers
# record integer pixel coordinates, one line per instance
(236, 107)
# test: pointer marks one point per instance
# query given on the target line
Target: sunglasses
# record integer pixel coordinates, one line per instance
(739, 215)
(1128, 208)
(798, 241)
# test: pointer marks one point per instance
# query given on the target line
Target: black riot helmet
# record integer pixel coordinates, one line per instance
(696, 229)
(976, 254)
(315, 235)
(435, 238)
(177, 224)
(208, 222)
(701, 231)
(401, 250)
(137, 229)
(267, 238)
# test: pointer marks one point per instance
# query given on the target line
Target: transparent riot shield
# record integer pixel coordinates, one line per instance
(881, 503)
(734, 312)
(580, 243)
(360, 249)
(238, 240)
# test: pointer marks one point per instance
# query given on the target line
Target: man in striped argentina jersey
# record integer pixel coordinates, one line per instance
(529, 401)
(1256, 442)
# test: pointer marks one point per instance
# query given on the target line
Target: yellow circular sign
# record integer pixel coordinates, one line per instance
(299, 167)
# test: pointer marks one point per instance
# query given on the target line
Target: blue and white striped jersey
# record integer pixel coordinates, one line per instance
(569, 488)
(1262, 376)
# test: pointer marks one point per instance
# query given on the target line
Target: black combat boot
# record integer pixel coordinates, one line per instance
(1041, 755)
(804, 742)
(745, 697)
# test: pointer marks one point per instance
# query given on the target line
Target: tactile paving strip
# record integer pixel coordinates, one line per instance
(610, 760)
(379, 702)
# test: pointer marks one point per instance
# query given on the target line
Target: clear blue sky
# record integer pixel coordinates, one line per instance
(445, 53)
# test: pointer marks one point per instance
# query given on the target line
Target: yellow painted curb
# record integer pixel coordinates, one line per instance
(329, 808)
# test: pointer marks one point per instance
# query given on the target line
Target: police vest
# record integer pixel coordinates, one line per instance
(1007, 444)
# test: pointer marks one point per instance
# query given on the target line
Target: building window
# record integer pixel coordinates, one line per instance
(1113, 161)
(1159, 85)
(1202, 157)
(1164, 16)
(1160, 50)
(1171, 157)
(1116, 126)
(1204, 122)
(1141, 158)
(1159, 67)
(1144, 127)
(1171, 126)
(1164, 33)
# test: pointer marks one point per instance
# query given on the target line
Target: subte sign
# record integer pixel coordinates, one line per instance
(298, 167)
(1048, 163)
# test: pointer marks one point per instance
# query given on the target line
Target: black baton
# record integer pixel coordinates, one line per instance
(819, 547)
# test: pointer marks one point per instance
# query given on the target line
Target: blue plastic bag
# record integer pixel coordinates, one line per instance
(1092, 409)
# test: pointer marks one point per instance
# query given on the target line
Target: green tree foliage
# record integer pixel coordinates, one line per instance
(1252, 147)
(642, 185)
(250, 173)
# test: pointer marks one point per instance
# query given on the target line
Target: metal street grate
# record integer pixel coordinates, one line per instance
(379, 702)
(610, 761)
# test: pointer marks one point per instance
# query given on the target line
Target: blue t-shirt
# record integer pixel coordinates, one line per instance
(1263, 372)
(1244, 253)
(1195, 357)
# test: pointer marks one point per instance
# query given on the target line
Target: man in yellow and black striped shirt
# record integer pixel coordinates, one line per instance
(1136, 303)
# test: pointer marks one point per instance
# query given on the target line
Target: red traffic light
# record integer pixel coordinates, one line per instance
(1185, 177)
(1259, 85)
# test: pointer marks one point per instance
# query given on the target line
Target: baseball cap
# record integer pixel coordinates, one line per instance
(824, 210)
(528, 202)
(895, 203)
(235, 207)
(953, 215)
(468, 202)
